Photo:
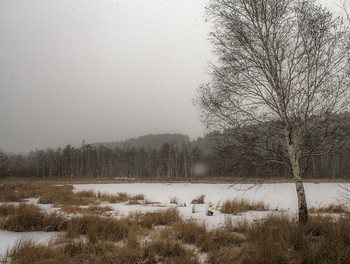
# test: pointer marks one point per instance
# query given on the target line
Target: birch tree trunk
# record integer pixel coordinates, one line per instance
(294, 156)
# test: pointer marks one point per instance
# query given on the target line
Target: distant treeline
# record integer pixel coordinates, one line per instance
(180, 158)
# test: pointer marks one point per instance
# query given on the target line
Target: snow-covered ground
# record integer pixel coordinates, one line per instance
(9, 239)
(280, 197)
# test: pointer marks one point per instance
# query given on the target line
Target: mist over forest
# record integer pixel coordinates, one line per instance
(164, 157)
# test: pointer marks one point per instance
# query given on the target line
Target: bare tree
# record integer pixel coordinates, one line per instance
(281, 84)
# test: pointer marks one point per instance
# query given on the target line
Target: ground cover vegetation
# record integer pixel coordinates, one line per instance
(88, 236)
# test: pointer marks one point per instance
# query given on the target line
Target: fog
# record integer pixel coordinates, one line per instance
(99, 70)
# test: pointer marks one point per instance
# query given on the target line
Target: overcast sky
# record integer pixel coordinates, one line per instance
(99, 70)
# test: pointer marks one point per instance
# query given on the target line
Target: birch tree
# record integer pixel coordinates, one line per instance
(281, 82)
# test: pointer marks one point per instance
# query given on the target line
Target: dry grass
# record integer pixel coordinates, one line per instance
(16, 191)
(98, 228)
(94, 209)
(164, 248)
(279, 239)
(121, 198)
(162, 236)
(199, 199)
(7, 210)
(61, 195)
(174, 200)
(241, 205)
(152, 219)
(30, 218)
(330, 209)
(238, 226)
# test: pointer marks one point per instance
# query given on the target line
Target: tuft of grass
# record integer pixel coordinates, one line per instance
(199, 199)
(121, 198)
(331, 209)
(174, 200)
(16, 191)
(164, 248)
(160, 218)
(86, 194)
(74, 251)
(224, 255)
(242, 205)
(93, 209)
(278, 239)
(7, 210)
(30, 218)
(238, 226)
(98, 228)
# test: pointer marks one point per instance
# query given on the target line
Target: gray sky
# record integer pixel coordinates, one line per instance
(99, 70)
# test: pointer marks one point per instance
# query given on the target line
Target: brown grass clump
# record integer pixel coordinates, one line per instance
(16, 191)
(7, 209)
(279, 239)
(121, 198)
(194, 233)
(159, 250)
(164, 248)
(173, 200)
(98, 228)
(60, 195)
(26, 251)
(190, 232)
(238, 226)
(94, 209)
(331, 209)
(160, 218)
(113, 198)
(224, 255)
(241, 205)
(199, 199)
(30, 218)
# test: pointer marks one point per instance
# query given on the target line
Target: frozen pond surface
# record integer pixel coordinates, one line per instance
(280, 197)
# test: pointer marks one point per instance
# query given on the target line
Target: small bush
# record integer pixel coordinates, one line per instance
(241, 205)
